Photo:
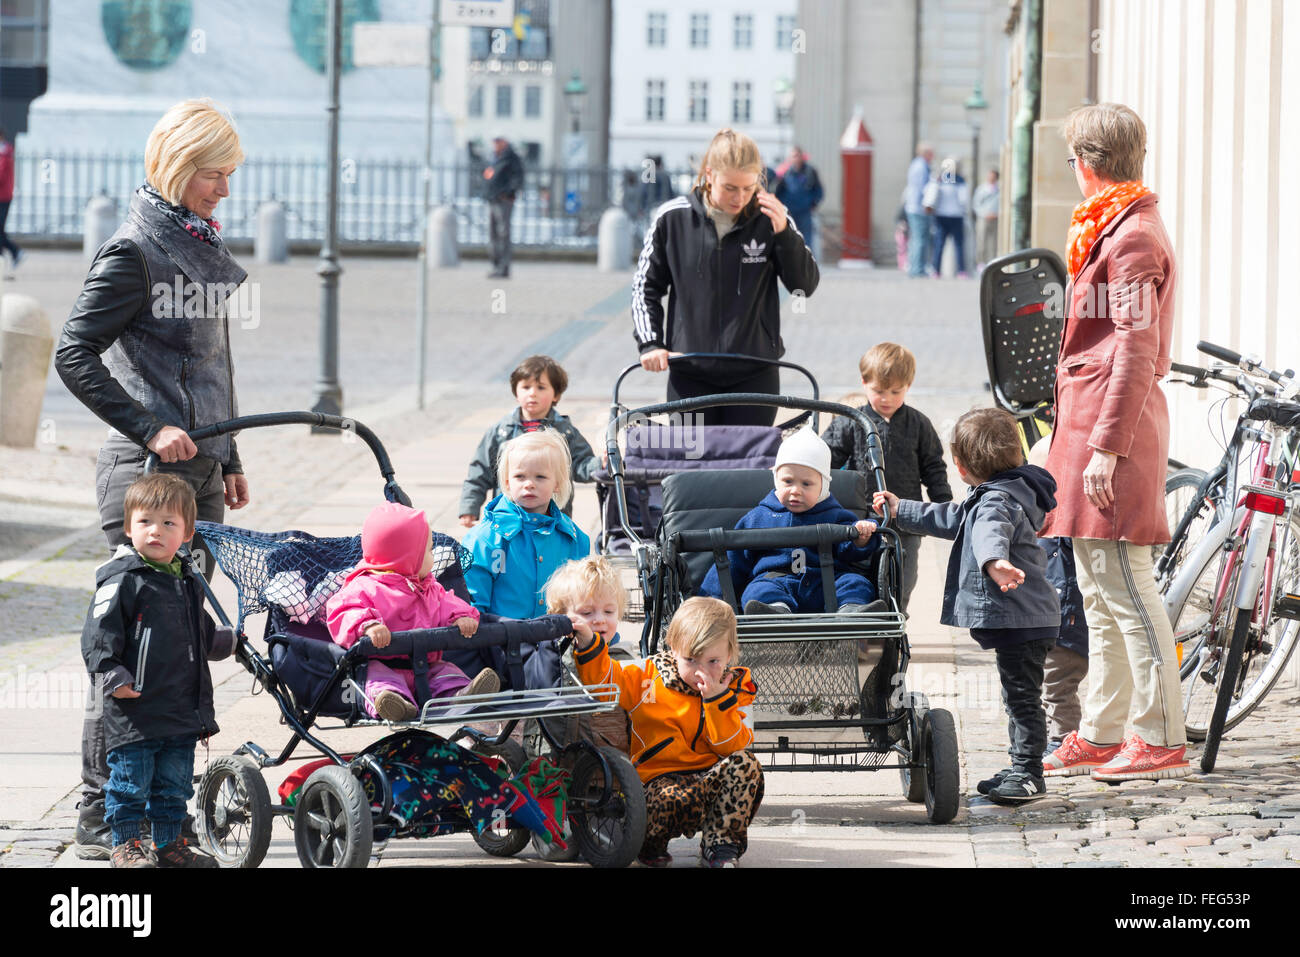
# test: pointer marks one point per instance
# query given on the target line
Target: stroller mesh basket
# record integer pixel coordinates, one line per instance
(810, 671)
(296, 572)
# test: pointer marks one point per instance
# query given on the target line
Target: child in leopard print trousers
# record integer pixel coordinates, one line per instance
(689, 736)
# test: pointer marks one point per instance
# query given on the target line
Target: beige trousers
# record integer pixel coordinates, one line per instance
(1132, 664)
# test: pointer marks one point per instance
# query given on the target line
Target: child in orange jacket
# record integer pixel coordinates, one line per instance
(689, 734)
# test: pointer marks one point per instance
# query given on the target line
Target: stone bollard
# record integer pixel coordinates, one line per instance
(100, 224)
(614, 241)
(26, 344)
(272, 243)
(440, 244)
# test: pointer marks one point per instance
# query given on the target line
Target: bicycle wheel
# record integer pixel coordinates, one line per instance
(1226, 684)
(1181, 499)
(1204, 631)
(1269, 640)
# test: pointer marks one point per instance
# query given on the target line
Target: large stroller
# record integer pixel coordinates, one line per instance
(652, 451)
(410, 783)
(805, 665)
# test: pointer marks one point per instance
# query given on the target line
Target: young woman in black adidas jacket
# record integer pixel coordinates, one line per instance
(717, 254)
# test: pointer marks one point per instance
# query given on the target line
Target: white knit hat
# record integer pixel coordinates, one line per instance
(806, 448)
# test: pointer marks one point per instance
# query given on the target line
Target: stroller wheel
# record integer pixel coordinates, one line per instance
(608, 824)
(913, 778)
(942, 775)
(234, 818)
(506, 841)
(332, 826)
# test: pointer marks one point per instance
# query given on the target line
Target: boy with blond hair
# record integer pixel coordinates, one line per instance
(913, 452)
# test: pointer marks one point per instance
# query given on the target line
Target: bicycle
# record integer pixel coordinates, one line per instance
(1238, 618)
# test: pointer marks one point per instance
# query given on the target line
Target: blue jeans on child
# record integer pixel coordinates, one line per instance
(803, 593)
(151, 778)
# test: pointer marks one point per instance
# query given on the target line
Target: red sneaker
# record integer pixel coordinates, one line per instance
(1077, 756)
(1139, 761)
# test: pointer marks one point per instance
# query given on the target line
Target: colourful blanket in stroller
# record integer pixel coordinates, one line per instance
(438, 785)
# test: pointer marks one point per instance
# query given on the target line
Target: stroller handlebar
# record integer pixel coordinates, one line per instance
(739, 357)
(706, 540)
(492, 631)
(392, 491)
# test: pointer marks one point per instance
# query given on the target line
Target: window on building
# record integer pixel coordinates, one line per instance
(785, 32)
(505, 99)
(532, 101)
(742, 31)
(656, 29)
(699, 31)
(742, 99)
(698, 105)
(500, 43)
(24, 32)
(784, 115)
(532, 154)
(654, 101)
(476, 101)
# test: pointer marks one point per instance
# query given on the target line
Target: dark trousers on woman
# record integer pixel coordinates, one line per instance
(945, 228)
(6, 244)
(120, 463)
(688, 386)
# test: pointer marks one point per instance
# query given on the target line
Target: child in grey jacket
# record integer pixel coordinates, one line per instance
(1018, 616)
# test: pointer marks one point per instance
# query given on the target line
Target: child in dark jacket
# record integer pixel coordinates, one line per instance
(913, 452)
(537, 383)
(787, 580)
(1018, 616)
(147, 640)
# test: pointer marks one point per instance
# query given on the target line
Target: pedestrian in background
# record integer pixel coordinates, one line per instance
(7, 195)
(505, 178)
(918, 220)
(655, 189)
(800, 188)
(948, 198)
(985, 206)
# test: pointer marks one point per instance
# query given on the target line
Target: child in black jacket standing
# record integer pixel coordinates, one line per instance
(147, 639)
(913, 452)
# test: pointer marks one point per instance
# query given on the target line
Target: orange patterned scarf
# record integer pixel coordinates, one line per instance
(1094, 214)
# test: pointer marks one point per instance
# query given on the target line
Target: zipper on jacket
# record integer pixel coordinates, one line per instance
(651, 751)
(185, 367)
(700, 730)
(142, 657)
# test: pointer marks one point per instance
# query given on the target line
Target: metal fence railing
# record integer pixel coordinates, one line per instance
(379, 200)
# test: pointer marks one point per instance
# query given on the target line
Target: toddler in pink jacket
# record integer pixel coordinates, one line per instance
(392, 589)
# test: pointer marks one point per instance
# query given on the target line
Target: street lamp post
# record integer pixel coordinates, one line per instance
(975, 108)
(575, 97)
(329, 394)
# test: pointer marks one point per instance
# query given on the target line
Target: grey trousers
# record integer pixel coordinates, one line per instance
(120, 463)
(499, 211)
(1062, 672)
(911, 564)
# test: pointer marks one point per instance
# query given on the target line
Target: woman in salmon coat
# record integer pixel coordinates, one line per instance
(1109, 450)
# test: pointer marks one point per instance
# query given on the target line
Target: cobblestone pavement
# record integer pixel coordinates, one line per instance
(1248, 812)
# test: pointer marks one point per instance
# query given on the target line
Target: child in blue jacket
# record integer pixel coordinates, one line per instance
(522, 539)
(789, 580)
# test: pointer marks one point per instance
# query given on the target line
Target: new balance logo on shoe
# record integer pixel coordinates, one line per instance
(754, 252)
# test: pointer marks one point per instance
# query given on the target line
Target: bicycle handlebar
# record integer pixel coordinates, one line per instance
(1246, 363)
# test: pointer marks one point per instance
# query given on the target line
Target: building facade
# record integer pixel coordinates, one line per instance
(910, 66)
(680, 72)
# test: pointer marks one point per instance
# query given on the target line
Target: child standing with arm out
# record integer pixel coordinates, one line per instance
(537, 384)
(393, 589)
(148, 639)
(911, 446)
(996, 584)
(688, 731)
